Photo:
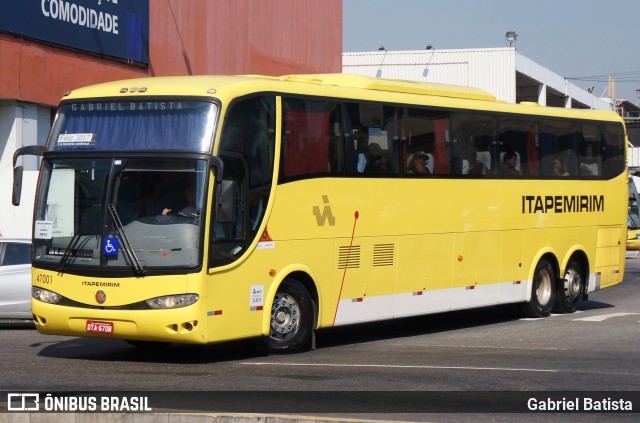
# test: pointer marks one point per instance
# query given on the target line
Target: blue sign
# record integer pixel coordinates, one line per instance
(110, 247)
(116, 28)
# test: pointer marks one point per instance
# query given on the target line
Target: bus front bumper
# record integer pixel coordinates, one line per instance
(180, 325)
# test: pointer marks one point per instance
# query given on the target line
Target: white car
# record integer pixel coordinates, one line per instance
(15, 278)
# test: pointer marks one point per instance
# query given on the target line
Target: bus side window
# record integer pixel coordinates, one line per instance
(249, 130)
(471, 143)
(516, 139)
(426, 134)
(589, 145)
(309, 139)
(372, 144)
(557, 145)
(613, 160)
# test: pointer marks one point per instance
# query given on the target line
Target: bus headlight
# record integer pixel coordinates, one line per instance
(173, 301)
(45, 296)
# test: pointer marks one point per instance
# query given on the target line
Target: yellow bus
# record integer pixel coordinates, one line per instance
(210, 208)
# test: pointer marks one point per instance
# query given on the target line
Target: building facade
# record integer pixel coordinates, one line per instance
(52, 46)
(503, 72)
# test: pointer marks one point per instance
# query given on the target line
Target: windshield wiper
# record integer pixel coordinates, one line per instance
(113, 184)
(73, 244)
(128, 249)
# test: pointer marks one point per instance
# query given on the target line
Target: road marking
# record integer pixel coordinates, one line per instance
(495, 347)
(397, 366)
(603, 317)
(529, 319)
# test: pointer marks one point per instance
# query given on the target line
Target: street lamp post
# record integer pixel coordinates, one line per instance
(511, 37)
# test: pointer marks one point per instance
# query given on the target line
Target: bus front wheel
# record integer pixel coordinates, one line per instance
(570, 289)
(291, 319)
(543, 291)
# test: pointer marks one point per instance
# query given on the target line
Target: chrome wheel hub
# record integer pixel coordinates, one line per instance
(543, 293)
(572, 284)
(285, 314)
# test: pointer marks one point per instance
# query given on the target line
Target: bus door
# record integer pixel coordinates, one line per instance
(247, 147)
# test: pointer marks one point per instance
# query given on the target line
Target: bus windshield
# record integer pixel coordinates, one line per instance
(120, 214)
(177, 125)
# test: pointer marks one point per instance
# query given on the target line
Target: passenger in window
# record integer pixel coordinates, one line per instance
(559, 169)
(418, 163)
(509, 161)
(378, 163)
(475, 167)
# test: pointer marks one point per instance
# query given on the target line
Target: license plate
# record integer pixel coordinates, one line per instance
(99, 327)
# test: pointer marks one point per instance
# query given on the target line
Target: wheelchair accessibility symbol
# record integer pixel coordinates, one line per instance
(110, 247)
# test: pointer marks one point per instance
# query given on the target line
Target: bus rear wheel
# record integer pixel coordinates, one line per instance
(570, 289)
(291, 319)
(543, 291)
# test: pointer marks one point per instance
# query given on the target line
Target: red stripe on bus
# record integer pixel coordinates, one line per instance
(356, 215)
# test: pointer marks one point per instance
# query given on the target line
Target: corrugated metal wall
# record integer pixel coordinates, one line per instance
(189, 37)
(271, 37)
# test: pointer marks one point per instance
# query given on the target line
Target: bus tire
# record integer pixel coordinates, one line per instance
(291, 319)
(570, 289)
(543, 291)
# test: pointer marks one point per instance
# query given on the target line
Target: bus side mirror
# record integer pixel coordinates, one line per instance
(17, 185)
(30, 150)
(226, 201)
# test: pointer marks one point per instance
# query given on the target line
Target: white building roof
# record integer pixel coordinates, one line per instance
(503, 72)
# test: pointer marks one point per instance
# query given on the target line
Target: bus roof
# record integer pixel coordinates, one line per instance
(202, 85)
(328, 85)
(393, 85)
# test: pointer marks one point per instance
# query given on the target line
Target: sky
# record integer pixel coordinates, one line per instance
(584, 39)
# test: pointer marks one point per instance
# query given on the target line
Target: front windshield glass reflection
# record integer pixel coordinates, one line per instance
(120, 214)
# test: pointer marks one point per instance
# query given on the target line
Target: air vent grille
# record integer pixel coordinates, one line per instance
(383, 254)
(349, 257)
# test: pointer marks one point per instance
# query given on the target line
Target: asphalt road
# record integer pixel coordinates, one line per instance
(477, 365)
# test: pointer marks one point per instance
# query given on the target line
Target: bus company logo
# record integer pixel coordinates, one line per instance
(326, 214)
(532, 204)
(101, 284)
(23, 402)
(101, 297)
